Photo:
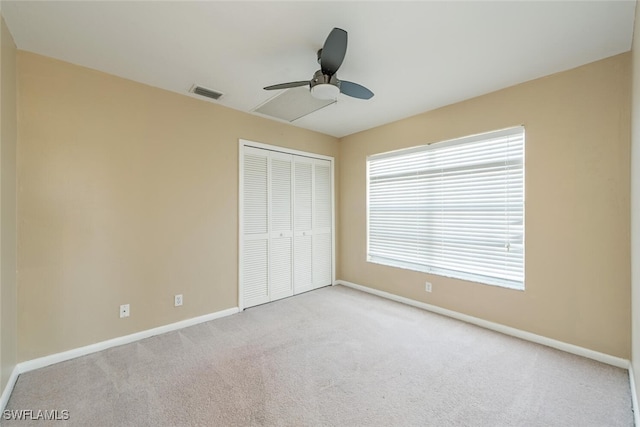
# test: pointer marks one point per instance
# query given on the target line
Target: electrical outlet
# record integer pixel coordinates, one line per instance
(427, 286)
(177, 300)
(124, 310)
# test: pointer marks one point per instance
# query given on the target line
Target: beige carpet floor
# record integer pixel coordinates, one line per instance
(335, 357)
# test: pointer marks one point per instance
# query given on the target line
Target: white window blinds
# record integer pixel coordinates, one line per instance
(454, 208)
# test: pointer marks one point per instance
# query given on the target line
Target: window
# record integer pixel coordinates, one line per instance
(453, 208)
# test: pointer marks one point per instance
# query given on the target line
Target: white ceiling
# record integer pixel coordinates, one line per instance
(415, 56)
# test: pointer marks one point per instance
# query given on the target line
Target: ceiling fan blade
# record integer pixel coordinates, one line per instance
(355, 90)
(333, 51)
(287, 85)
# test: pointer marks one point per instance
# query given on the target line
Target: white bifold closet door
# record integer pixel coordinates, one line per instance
(281, 235)
(255, 245)
(322, 220)
(287, 225)
(303, 224)
(312, 224)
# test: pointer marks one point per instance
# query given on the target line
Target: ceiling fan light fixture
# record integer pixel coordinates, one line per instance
(325, 91)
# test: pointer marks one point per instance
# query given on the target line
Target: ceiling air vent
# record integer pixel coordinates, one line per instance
(203, 91)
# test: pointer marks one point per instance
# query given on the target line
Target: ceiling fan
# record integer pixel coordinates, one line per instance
(325, 83)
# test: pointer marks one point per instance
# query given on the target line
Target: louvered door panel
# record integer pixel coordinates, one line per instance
(303, 224)
(281, 239)
(281, 266)
(255, 203)
(255, 277)
(302, 264)
(322, 204)
(255, 192)
(303, 194)
(321, 260)
(280, 193)
(322, 219)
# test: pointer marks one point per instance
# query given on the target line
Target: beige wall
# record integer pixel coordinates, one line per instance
(577, 206)
(128, 194)
(8, 140)
(635, 199)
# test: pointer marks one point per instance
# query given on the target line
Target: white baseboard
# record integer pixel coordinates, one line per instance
(8, 388)
(507, 330)
(634, 396)
(41, 362)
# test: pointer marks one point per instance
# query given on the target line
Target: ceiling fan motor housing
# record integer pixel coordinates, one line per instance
(320, 78)
(324, 86)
